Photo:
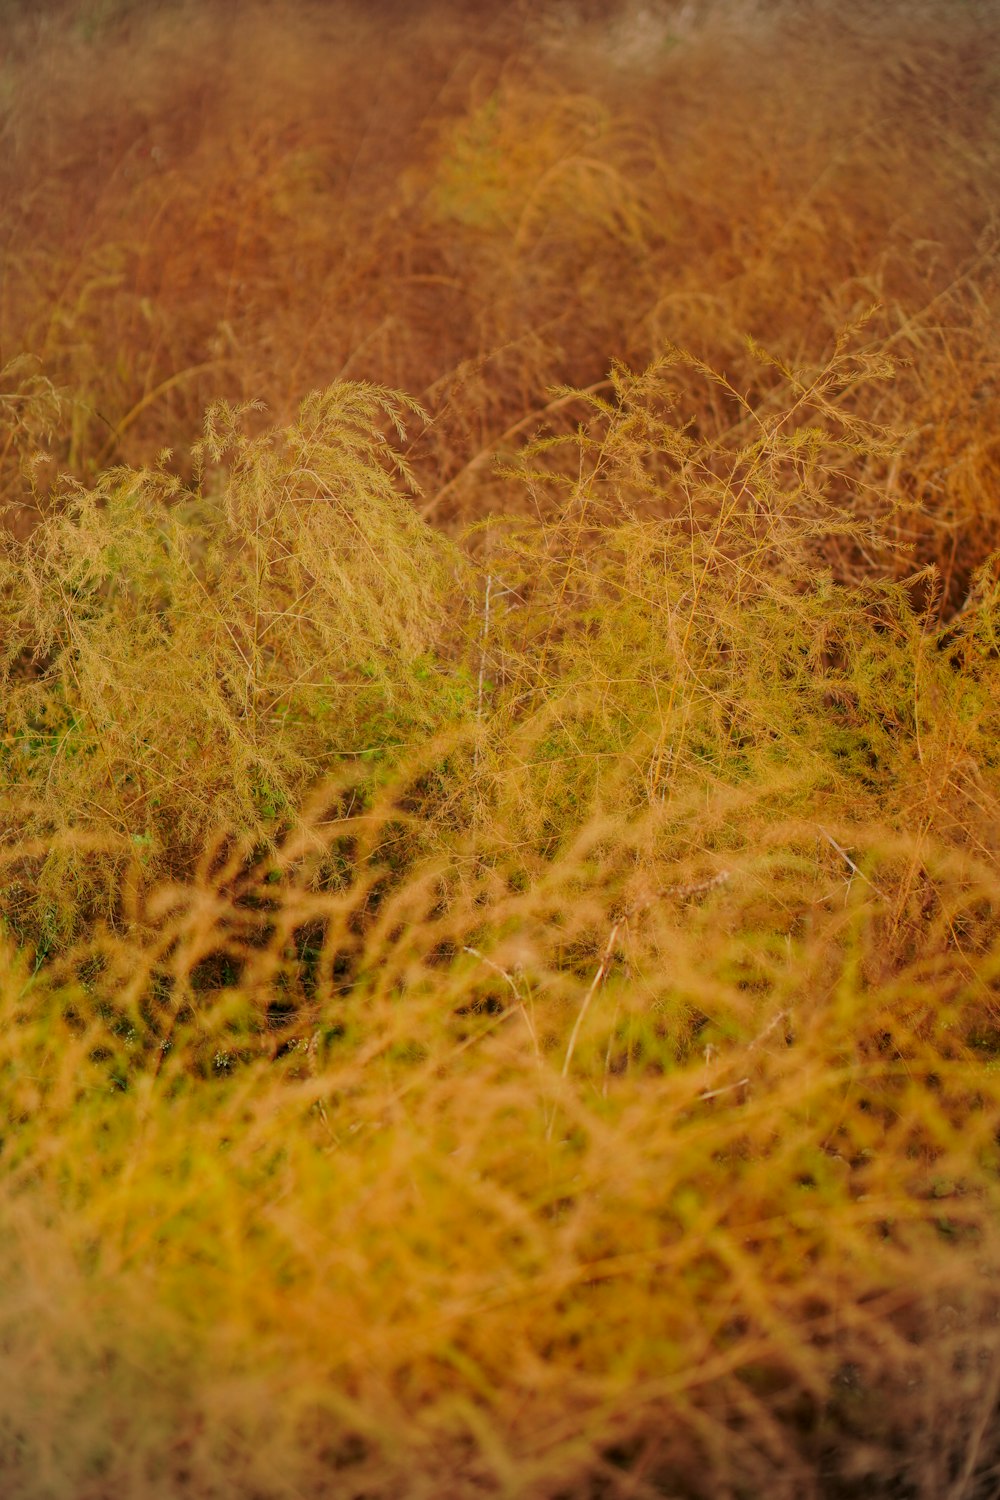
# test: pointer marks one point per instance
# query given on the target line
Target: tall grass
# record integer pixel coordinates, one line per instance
(500, 887)
(178, 658)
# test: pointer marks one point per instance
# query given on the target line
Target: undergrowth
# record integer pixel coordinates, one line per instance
(499, 905)
(180, 658)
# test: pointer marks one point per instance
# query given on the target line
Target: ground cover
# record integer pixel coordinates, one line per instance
(499, 760)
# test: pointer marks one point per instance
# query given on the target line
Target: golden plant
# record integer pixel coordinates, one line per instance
(499, 952)
(176, 657)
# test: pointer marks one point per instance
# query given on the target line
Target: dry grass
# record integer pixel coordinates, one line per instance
(500, 947)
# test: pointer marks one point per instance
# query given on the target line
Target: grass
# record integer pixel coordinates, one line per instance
(498, 771)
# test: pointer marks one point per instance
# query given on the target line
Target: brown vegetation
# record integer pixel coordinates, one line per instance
(500, 888)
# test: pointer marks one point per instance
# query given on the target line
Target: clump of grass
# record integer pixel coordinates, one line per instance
(174, 658)
(740, 1221)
